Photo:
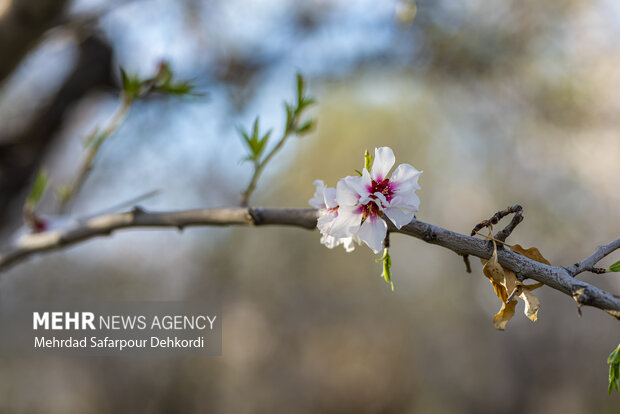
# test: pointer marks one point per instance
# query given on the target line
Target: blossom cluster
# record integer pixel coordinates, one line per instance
(354, 211)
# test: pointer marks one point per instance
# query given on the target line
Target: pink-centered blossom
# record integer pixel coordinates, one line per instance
(364, 200)
(324, 200)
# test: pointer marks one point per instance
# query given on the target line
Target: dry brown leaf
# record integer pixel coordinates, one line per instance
(531, 253)
(532, 304)
(492, 269)
(533, 286)
(495, 273)
(504, 315)
(500, 291)
(505, 282)
(510, 281)
(502, 280)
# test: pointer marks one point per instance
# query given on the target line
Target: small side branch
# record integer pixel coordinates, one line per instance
(503, 234)
(68, 192)
(467, 264)
(256, 143)
(497, 217)
(259, 167)
(588, 264)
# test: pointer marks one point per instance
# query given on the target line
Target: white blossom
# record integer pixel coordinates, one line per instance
(324, 200)
(363, 200)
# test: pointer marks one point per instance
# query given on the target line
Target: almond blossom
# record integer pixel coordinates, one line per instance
(362, 201)
(324, 200)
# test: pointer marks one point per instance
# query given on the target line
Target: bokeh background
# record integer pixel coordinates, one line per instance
(498, 102)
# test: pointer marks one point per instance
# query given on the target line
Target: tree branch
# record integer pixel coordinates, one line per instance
(556, 277)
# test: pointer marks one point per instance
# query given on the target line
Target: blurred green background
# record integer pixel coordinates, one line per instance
(500, 103)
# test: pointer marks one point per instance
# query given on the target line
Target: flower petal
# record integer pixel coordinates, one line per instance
(329, 241)
(360, 184)
(413, 201)
(372, 232)
(348, 244)
(405, 178)
(347, 223)
(318, 200)
(330, 198)
(382, 200)
(399, 216)
(325, 222)
(383, 162)
(409, 201)
(346, 195)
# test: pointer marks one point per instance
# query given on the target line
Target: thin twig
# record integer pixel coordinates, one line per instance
(291, 127)
(496, 218)
(87, 164)
(588, 264)
(503, 234)
(132, 89)
(122, 205)
(260, 166)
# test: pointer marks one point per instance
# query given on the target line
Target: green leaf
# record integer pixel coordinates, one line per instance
(37, 189)
(307, 102)
(387, 267)
(255, 129)
(248, 142)
(179, 89)
(243, 134)
(132, 85)
(302, 100)
(289, 117)
(262, 143)
(300, 88)
(164, 74)
(306, 127)
(367, 160)
(614, 370)
(614, 357)
(255, 143)
(615, 267)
